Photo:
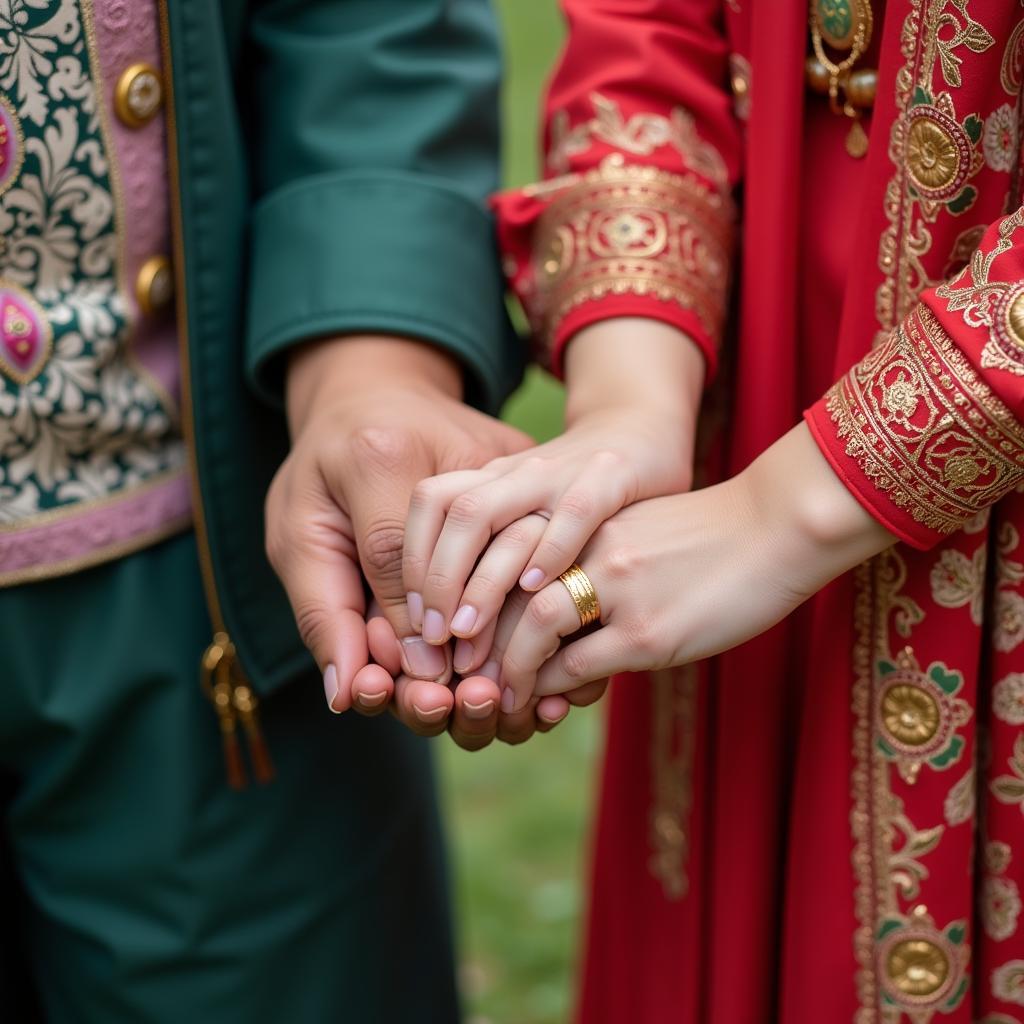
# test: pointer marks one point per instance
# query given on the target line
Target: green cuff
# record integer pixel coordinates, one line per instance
(390, 253)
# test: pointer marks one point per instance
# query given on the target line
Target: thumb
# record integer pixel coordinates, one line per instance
(317, 566)
(378, 519)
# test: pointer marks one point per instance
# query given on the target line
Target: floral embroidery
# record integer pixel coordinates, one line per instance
(908, 963)
(999, 142)
(933, 151)
(641, 135)
(957, 580)
(918, 715)
(1010, 74)
(1009, 789)
(79, 419)
(997, 305)
(1000, 907)
(1008, 699)
(925, 968)
(997, 856)
(926, 429)
(959, 805)
(1008, 982)
(627, 228)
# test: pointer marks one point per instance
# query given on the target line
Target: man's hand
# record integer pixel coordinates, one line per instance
(370, 417)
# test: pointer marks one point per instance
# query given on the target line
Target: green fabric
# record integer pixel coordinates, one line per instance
(380, 268)
(158, 895)
(334, 158)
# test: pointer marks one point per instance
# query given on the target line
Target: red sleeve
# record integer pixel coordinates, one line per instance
(642, 151)
(926, 430)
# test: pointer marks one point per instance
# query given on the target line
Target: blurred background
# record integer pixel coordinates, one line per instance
(519, 816)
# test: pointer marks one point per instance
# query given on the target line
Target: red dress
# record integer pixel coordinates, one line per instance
(826, 824)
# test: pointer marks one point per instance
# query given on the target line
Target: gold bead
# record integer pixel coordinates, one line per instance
(154, 286)
(861, 87)
(817, 76)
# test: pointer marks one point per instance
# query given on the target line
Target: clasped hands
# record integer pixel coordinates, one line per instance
(459, 529)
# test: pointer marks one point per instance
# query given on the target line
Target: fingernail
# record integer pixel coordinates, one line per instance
(491, 669)
(465, 619)
(508, 700)
(463, 656)
(421, 659)
(415, 604)
(532, 579)
(430, 717)
(433, 627)
(478, 711)
(371, 700)
(331, 687)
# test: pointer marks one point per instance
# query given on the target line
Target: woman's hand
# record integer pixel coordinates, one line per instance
(685, 577)
(472, 536)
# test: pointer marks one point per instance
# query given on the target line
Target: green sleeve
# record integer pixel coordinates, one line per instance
(374, 127)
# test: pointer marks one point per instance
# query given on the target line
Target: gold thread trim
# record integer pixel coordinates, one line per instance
(925, 428)
(631, 229)
(97, 556)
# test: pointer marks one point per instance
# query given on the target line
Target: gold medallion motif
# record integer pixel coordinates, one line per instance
(938, 153)
(917, 967)
(910, 714)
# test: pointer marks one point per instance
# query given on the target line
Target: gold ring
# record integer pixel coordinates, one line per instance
(583, 594)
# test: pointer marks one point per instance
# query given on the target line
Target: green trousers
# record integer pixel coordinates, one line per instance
(150, 892)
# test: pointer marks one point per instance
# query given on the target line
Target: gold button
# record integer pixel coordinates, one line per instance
(154, 287)
(917, 967)
(139, 95)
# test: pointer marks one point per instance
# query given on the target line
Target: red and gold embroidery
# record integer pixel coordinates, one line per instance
(910, 965)
(630, 229)
(641, 135)
(926, 429)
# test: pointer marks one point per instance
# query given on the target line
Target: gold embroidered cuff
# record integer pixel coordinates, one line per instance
(926, 429)
(631, 229)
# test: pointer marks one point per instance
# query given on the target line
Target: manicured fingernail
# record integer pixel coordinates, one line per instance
(371, 700)
(491, 669)
(421, 659)
(331, 687)
(478, 711)
(532, 579)
(415, 604)
(465, 619)
(463, 656)
(433, 627)
(430, 717)
(508, 700)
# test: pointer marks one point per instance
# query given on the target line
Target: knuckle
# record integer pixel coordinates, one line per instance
(576, 664)
(554, 551)
(543, 611)
(467, 509)
(382, 549)
(385, 446)
(413, 567)
(515, 536)
(312, 622)
(640, 635)
(436, 580)
(576, 505)
(425, 495)
(621, 562)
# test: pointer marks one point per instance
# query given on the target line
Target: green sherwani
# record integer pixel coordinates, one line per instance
(329, 161)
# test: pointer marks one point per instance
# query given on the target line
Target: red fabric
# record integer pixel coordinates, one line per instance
(822, 853)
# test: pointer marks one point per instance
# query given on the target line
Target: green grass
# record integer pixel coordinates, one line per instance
(518, 817)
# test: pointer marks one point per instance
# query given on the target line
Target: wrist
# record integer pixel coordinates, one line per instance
(329, 369)
(636, 364)
(819, 527)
